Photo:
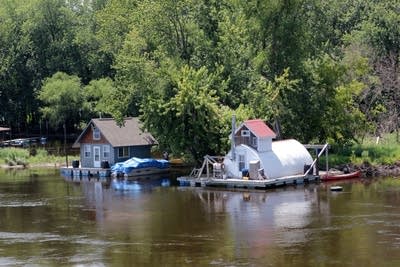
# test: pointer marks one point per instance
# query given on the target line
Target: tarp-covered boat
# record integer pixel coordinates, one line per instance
(140, 166)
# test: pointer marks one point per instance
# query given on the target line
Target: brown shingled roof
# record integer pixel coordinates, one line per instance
(130, 134)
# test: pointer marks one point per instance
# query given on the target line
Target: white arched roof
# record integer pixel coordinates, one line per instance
(286, 158)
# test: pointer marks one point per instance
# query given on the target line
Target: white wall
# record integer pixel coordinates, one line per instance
(286, 158)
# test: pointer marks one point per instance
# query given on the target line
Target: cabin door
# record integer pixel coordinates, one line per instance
(96, 156)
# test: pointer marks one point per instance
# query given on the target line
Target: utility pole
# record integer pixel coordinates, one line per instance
(65, 144)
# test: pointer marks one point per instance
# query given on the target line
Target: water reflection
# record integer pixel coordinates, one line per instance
(258, 219)
(45, 221)
(135, 185)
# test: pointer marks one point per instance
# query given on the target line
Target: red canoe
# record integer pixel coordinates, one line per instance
(339, 175)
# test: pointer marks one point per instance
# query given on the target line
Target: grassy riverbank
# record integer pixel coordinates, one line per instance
(10, 157)
(385, 152)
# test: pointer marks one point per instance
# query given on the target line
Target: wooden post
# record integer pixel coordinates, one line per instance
(65, 144)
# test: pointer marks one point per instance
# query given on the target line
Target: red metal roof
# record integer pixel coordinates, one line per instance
(259, 128)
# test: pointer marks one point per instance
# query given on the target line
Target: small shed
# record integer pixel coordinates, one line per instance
(103, 140)
(254, 150)
(3, 130)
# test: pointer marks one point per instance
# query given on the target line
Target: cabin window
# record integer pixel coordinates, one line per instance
(245, 133)
(106, 151)
(123, 152)
(242, 163)
(86, 151)
(96, 134)
(254, 141)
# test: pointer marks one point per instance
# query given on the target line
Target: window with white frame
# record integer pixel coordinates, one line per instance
(106, 151)
(96, 134)
(123, 152)
(245, 133)
(86, 151)
(242, 163)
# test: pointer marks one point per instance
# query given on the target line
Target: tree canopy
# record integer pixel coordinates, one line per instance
(315, 70)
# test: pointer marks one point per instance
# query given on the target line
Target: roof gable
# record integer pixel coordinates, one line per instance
(129, 134)
(258, 128)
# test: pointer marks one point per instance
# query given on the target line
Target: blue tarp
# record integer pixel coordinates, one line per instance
(137, 163)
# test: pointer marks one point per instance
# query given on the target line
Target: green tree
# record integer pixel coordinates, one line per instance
(62, 99)
(17, 104)
(97, 95)
(114, 21)
(191, 116)
(267, 98)
(381, 31)
(329, 106)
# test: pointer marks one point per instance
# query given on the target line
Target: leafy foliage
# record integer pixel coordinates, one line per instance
(316, 70)
(62, 97)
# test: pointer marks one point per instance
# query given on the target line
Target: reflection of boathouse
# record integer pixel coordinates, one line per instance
(259, 219)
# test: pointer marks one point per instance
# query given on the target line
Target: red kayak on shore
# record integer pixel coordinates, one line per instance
(339, 175)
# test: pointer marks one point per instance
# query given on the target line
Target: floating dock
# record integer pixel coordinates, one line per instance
(86, 174)
(245, 183)
(105, 174)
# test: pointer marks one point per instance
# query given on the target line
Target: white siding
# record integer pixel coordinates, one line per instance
(286, 158)
(264, 144)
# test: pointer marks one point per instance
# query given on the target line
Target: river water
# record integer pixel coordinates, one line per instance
(48, 221)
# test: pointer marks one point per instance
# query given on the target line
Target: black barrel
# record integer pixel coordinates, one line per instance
(105, 164)
(75, 163)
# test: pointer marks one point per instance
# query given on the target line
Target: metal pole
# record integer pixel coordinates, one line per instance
(326, 160)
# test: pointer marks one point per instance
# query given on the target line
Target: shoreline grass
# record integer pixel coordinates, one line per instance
(12, 156)
(385, 152)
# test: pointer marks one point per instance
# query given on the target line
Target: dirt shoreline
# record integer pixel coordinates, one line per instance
(369, 170)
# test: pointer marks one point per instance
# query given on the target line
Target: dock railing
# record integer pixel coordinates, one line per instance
(324, 149)
(208, 160)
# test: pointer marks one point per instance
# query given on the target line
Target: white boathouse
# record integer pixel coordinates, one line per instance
(253, 151)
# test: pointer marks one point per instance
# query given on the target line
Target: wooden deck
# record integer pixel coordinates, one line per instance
(247, 184)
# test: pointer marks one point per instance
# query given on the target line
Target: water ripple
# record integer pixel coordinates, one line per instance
(16, 204)
(11, 237)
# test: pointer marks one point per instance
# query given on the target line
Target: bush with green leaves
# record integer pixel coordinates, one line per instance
(14, 156)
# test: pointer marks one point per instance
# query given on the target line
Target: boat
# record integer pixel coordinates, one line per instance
(140, 166)
(340, 175)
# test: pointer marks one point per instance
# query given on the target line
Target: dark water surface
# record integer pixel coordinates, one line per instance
(47, 221)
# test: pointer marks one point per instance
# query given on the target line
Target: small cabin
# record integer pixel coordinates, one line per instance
(4, 130)
(255, 134)
(103, 140)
